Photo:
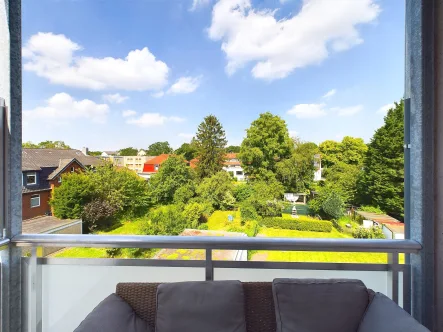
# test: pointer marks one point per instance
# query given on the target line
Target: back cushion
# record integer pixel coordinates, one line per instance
(207, 306)
(319, 305)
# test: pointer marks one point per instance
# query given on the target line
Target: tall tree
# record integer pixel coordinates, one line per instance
(158, 148)
(187, 150)
(233, 149)
(351, 150)
(382, 183)
(46, 145)
(128, 152)
(211, 144)
(267, 142)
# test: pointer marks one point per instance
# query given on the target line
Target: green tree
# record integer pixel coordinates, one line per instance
(211, 144)
(267, 142)
(158, 148)
(351, 150)
(165, 220)
(333, 206)
(46, 145)
(95, 153)
(128, 152)
(187, 150)
(233, 149)
(330, 153)
(382, 183)
(342, 178)
(173, 175)
(297, 172)
(217, 190)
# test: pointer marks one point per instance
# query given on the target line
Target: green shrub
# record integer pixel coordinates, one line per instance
(203, 227)
(165, 220)
(248, 212)
(98, 214)
(337, 226)
(372, 209)
(194, 214)
(299, 224)
(242, 192)
(184, 193)
(368, 233)
(333, 206)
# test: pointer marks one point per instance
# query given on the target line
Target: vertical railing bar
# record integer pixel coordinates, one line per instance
(35, 292)
(407, 284)
(209, 267)
(393, 267)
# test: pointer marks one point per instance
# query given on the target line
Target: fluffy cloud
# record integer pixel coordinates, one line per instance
(128, 113)
(276, 47)
(385, 108)
(349, 111)
(185, 85)
(329, 94)
(63, 107)
(115, 98)
(55, 57)
(158, 94)
(153, 119)
(199, 3)
(308, 111)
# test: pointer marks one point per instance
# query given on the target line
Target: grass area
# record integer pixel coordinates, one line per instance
(218, 221)
(301, 256)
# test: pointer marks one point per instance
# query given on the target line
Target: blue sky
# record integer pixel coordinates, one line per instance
(111, 74)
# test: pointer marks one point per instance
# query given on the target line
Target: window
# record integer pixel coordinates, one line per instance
(59, 179)
(31, 178)
(156, 167)
(35, 201)
(72, 169)
(239, 173)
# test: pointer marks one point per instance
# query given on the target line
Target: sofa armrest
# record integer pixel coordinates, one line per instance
(384, 315)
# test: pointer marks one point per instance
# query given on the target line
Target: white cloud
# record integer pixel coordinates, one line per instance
(55, 57)
(308, 111)
(278, 47)
(185, 85)
(128, 113)
(199, 3)
(158, 94)
(62, 107)
(329, 94)
(153, 119)
(185, 135)
(385, 108)
(115, 98)
(349, 111)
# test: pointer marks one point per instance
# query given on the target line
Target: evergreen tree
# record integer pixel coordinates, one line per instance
(382, 182)
(211, 144)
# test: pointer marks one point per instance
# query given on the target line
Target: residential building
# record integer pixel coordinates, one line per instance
(233, 166)
(136, 163)
(152, 165)
(317, 166)
(42, 171)
(109, 153)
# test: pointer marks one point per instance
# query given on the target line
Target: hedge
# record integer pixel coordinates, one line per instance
(298, 225)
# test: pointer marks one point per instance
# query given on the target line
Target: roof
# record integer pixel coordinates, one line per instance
(111, 153)
(64, 163)
(36, 159)
(232, 155)
(395, 227)
(45, 224)
(200, 254)
(158, 159)
(377, 217)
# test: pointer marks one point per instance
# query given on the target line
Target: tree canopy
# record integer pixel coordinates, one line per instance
(128, 151)
(267, 142)
(158, 148)
(46, 145)
(351, 150)
(187, 150)
(233, 149)
(382, 183)
(211, 143)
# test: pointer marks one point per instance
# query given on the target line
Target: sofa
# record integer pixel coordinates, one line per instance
(284, 305)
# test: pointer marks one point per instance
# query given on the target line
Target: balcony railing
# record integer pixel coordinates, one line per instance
(60, 292)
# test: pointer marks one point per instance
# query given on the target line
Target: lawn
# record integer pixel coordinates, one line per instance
(301, 256)
(218, 221)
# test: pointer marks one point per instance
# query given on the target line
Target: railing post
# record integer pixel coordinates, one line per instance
(35, 294)
(209, 267)
(393, 275)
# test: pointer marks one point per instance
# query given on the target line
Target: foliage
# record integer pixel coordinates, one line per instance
(350, 150)
(333, 206)
(194, 214)
(233, 149)
(95, 153)
(268, 190)
(266, 208)
(297, 172)
(372, 209)
(368, 233)
(382, 183)
(98, 214)
(187, 150)
(72, 195)
(300, 224)
(165, 220)
(184, 194)
(248, 212)
(211, 143)
(267, 142)
(46, 145)
(203, 227)
(242, 192)
(158, 148)
(171, 176)
(128, 152)
(342, 178)
(217, 190)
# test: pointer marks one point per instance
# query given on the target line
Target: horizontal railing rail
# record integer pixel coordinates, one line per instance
(216, 242)
(4, 243)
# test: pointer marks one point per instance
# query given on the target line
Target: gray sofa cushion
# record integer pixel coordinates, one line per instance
(319, 305)
(216, 306)
(383, 315)
(113, 314)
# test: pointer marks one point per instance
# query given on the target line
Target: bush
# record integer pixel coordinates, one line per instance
(203, 227)
(333, 206)
(266, 208)
(165, 220)
(193, 213)
(98, 214)
(217, 190)
(368, 233)
(247, 212)
(300, 224)
(368, 208)
(184, 194)
(242, 192)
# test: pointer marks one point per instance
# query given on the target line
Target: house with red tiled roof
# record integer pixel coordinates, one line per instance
(153, 165)
(233, 165)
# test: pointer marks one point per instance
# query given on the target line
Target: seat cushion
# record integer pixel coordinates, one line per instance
(319, 305)
(113, 315)
(215, 306)
(383, 315)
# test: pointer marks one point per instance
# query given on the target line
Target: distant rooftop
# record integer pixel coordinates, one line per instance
(35, 159)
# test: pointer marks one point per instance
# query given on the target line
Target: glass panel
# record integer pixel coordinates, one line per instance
(31, 178)
(35, 200)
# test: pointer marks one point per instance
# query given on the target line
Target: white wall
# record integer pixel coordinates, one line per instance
(234, 169)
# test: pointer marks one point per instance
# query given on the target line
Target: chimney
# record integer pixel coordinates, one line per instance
(85, 151)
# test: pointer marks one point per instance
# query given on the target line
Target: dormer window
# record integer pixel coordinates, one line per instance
(31, 178)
